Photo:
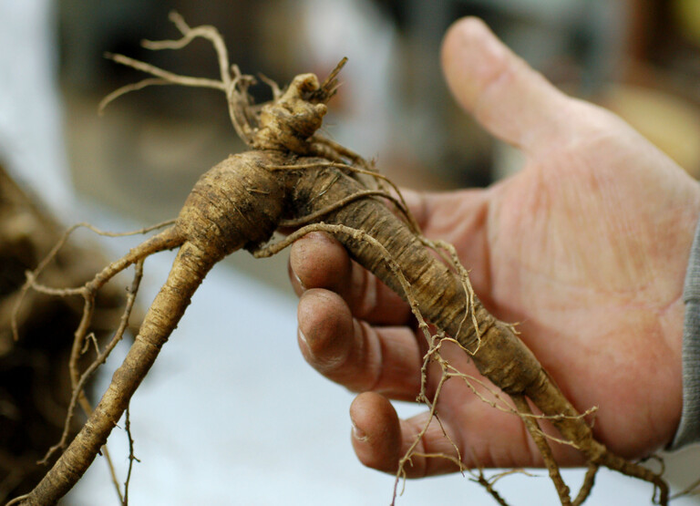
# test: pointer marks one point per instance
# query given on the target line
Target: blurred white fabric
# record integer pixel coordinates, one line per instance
(31, 144)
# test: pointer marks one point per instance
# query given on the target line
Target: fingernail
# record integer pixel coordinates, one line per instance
(302, 337)
(298, 280)
(358, 433)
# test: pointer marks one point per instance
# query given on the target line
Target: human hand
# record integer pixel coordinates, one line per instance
(586, 247)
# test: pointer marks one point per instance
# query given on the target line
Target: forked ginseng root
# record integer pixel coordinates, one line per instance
(294, 177)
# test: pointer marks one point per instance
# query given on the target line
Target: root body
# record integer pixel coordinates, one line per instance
(236, 204)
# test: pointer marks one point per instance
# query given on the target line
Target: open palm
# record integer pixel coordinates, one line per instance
(586, 248)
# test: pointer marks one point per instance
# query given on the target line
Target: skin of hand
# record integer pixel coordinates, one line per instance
(586, 247)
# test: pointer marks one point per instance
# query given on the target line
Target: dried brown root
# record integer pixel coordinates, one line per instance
(231, 82)
(432, 415)
(587, 485)
(692, 489)
(78, 379)
(488, 484)
(165, 240)
(543, 447)
(132, 456)
(165, 77)
(32, 284)
(33, 358)
(189, 269)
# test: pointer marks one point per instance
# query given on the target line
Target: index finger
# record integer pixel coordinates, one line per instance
(318, 260)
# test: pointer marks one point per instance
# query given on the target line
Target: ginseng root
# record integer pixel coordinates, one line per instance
(294, 177)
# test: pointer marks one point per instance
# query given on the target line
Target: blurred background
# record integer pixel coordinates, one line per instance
(137, 162)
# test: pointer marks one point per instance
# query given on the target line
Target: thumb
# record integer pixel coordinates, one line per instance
(506, 96)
